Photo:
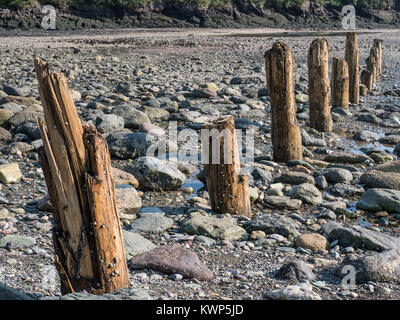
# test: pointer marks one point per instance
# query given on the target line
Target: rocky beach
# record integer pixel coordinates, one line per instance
(312, 218)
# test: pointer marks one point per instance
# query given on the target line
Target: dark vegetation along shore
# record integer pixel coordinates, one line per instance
(295, 14)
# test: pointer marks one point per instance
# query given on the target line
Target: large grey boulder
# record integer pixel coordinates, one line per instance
(155, 224)
(124, 145)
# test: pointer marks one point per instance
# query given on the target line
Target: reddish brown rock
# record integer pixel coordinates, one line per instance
(171, 260)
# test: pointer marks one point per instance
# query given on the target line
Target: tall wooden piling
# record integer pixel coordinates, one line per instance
(226, 185)
(378, 44)
(319, 86)
(352, 59)
(286, 138)
(340, 83)
(76, 164)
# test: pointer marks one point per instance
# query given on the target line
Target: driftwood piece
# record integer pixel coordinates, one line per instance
(286, 138)
(76, 165)
(227, 187)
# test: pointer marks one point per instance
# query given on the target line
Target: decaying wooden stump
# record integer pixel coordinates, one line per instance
(352, 59)
(340, 83)
(319, 86)
(227, 187)
(378, 45)
(76, 164)
(286, 138)
(363, 90)
(367, 79)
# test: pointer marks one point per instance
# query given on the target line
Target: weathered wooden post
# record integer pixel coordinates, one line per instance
(373, 63)
(227, 187)
(352, 59)
(378, 45)
(318, 86)
(367, 79)
(76, 164)
(286, 138)
(340, 83)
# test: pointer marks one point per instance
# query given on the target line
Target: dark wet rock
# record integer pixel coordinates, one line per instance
(270, 224)
(172, 260)
(296, 271)
(359, 237)
(380, 200)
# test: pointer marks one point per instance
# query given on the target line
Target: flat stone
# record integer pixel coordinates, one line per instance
(294, 292)
(150, 211)
(135, 244)
(17, 242)
(172, 260)
(216, 228)
(347, 158)
(282, 202)
(295, 178)
(151, 224)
